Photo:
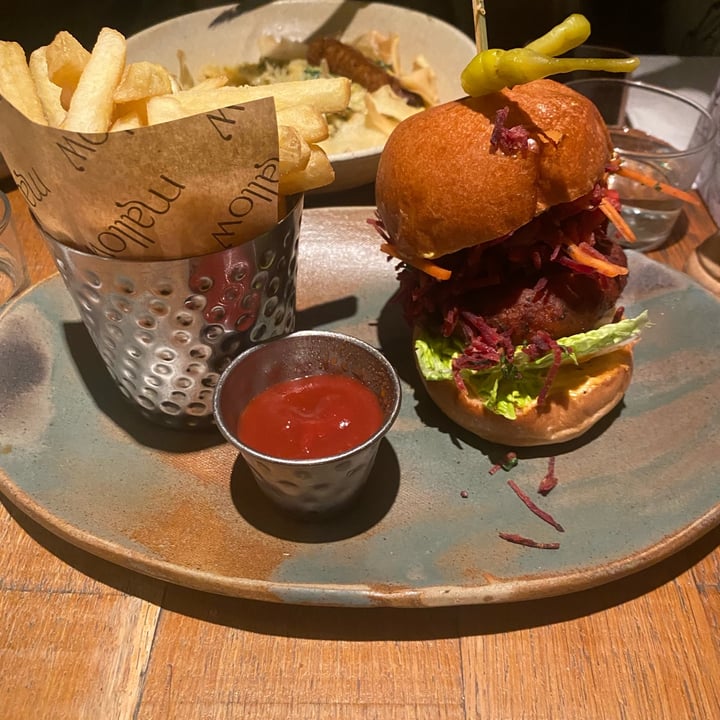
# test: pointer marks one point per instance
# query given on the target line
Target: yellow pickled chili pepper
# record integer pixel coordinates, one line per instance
(492, 70)
(574, 30)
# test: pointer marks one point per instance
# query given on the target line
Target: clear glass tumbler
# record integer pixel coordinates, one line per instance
(660, 134)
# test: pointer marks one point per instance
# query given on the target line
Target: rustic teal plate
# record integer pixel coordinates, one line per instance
(182, 507)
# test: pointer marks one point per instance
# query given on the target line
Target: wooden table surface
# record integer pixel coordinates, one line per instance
(82, 638)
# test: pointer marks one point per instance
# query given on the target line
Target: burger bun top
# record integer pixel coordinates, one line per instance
(441, 186)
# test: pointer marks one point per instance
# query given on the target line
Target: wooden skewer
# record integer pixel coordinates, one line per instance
(481, 40)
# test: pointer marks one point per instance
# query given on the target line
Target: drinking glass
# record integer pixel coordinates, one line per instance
(662, 135)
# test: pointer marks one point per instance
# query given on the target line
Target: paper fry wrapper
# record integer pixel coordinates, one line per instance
(173, 190)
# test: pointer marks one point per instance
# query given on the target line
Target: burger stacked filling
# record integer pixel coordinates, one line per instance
(511, 305)
(536, 278)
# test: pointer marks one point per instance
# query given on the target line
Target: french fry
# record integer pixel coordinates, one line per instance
(308, 121)
(142, 80)
(294, 150)
(16, 83)
(317, 173)
(301, 124)
(91, 107)
(129, 121)
(210, 83)
(48, 92)
(164, 108)
(293, 147)
(132, 116)
(326, 95)
(66, 60)
(68, 87)
(177, 105)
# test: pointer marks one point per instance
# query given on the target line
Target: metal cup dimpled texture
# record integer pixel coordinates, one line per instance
(166, 329)
(312, 487)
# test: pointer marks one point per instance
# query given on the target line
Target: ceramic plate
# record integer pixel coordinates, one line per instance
(182, 507)
(229, 35)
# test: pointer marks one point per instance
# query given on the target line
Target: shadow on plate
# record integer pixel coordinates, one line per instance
(110, 401)
(334, 26)
(231, 13)
(367, 509)
(316, 316)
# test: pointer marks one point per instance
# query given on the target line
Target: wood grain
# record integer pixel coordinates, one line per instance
(81, 638)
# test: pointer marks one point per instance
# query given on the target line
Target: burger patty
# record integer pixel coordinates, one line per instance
(567, 303)
(525, 283)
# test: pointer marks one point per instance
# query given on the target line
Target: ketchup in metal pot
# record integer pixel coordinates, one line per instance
(310, 417)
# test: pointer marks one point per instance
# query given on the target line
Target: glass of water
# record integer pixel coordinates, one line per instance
(656, 132)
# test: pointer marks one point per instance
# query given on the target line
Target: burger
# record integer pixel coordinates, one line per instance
(498, 211)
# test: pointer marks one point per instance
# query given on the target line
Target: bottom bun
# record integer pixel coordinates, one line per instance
(579, 397)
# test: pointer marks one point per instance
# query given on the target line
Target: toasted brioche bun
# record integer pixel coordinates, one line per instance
(580, 396)
(441, 188)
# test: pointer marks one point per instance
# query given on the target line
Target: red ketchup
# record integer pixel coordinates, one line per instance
(310, 417)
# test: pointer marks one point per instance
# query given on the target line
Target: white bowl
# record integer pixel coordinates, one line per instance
(229, 35)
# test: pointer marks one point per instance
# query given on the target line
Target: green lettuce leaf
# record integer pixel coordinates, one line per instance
(508, 387)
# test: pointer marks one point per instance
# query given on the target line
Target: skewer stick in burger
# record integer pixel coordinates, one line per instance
(497, 208)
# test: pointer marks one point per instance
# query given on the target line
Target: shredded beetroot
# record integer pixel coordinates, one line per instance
(533, 250)
(499, 126)
(528, 542)
(485, 345)
(450, 321)
(550, 480)
(379, 226)
(539, 288)
(534, 508)
(508, 140)
(541, 344)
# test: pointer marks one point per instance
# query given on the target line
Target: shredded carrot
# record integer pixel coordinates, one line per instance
(617, 219)
(439, 273)
(657, 185)
(595, 260)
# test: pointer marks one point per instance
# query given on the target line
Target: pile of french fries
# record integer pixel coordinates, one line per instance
(63, 85)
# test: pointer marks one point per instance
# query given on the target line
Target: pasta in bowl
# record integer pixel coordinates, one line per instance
(271, 42)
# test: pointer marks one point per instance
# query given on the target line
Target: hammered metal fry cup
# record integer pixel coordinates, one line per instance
(166, 329)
